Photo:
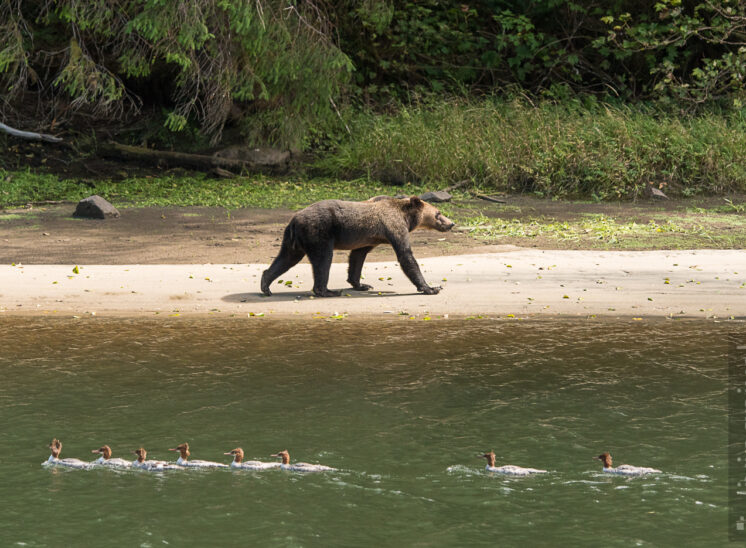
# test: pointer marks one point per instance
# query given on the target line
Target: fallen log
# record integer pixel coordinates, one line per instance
(457, 185)
(29, 135)
(488, 198)
(184, 159)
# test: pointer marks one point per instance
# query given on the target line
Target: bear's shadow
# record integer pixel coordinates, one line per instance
(304, 295)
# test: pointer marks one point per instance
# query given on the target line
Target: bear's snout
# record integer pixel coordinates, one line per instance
(444, 224)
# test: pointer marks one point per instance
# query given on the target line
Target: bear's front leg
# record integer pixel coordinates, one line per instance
(410, 267)
(357, 258)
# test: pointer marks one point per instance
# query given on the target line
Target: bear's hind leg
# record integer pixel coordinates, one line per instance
(321, 262)
(357, 258)
(287, 259)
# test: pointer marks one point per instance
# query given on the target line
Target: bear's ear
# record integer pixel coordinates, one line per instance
(415, 202)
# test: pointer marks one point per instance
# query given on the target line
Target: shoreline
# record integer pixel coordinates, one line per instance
(511, 283)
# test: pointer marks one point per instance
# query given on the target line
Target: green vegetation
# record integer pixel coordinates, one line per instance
(276, 71)
(22, 187)
(600, 231)
(551, 150)
(557, 99)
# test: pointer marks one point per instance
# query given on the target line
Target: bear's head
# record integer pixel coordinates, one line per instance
(425, 215)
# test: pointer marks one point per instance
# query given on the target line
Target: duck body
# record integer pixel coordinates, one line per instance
(306, 467)
(69, 463)
(106, 459)
(199, 463)
(508, 469)
(184, 461)
(114, 462)
(624, 469)
(154, 465)
(55, 460)
(142, 463)
(628, 470)
(300, 466)
(255, 465)
(239, 464)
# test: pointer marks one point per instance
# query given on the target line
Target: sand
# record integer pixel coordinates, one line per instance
(508, 282)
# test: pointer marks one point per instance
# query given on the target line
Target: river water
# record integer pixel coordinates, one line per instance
(401, 409)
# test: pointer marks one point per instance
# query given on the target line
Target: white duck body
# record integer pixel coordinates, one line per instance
(628, 470)
(255, 465)
(106, 459)
(300, 466)
(239, 464)
(184, 461)
(199, 463)
(154, 465)
(115, 462)
(624, 469)
(508, 469)
(151, 465)
(306, 467)
(69, 463)
(55, 460)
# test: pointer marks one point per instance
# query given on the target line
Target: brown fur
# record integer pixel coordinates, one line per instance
(322, 227)
(284, 455)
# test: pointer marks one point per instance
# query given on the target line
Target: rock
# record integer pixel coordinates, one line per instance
(95, 207)
(269, 157)
(437, 196)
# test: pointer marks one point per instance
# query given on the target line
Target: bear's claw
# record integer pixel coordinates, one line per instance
(431, 290)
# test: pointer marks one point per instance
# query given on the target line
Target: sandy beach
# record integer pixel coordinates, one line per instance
(507, 282)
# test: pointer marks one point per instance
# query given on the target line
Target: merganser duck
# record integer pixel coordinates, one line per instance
(151, 465)
(624, 469)
(106, 460)
(251, 464)
(183, 459)
(299, 466)
(55, 460)
(508, 469)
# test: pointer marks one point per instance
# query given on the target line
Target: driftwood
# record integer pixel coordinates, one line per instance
(465, 182)
(457, 185)
(194, 161)
(488, 198)
(29, 135)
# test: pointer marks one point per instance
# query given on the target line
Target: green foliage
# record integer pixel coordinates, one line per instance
(196, 57)
(21, 187)
(552, 150)
(693, 51)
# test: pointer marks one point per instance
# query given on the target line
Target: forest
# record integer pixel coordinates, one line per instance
(559, 99)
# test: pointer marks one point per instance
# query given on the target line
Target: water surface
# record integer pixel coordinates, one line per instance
(401, 409)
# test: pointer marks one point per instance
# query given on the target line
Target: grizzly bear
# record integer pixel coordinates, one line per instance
(322, 227)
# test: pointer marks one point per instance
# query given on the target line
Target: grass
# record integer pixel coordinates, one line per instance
(22, 187)
(591, 151)
(600, 231)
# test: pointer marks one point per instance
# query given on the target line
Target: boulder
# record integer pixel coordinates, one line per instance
(437, 196)
(95, 207)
